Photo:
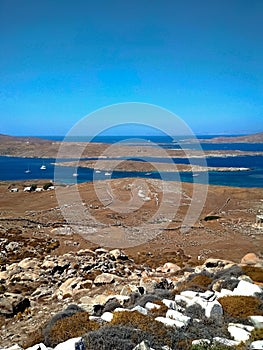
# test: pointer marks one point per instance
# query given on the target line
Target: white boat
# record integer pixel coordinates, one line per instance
(107, 173)
(75, 174)
(43, 167)
(27, 171)
(97, 171)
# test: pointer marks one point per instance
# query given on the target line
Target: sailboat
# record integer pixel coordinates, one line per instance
(43, 167)
(27, 171)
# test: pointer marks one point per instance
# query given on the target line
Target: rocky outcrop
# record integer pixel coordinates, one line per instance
(129, 308)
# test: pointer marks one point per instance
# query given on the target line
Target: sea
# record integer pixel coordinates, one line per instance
(16, 168)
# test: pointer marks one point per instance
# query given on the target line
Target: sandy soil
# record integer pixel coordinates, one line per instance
(117, 209)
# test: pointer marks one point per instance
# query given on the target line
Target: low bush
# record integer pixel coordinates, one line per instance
(69, 323)
(158, 333)
(254, 272)
(198, 283)
(241, 306)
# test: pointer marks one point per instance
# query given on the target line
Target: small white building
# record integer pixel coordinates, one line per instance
(39, 189)
(27, 189)
(14, 189)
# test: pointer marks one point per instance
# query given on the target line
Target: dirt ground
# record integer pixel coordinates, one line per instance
(140, 216)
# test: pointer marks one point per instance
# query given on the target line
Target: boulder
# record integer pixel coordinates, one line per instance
(67, 288)
(257, 321)
(170, 267)
(152, 306)
(14, 347)
(247, 289)
(213, 309)
(40, 346)
(225, 341)
(105, 278)
(239, 334)
(169, 322)
(256, 345)
(68, 345)
(144, 345)
(250, 259)
(178, 316)
(107, 316)
(118, 254)
(11, 304)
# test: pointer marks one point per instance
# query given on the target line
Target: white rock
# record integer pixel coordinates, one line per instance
(207, 295)
(14, 347)
(151, 306)
(169, 322)
(257, 321)
(201, 341)
(143, 346)
(247, 289)
(3, 275)
(189, 294)
(169, 303)
(213, 309)
(238, 333)
(181, 299)
(225, 341)
(223, 293)
(107, 316)
(140, 309)
(256, 345)
(106, 278)
(68, 345)
(40, 346)
(178, 316)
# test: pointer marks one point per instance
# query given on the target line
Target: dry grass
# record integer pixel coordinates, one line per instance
(241, 306)
(254, 272)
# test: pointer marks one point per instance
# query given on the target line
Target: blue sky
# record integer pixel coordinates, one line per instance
(62, 59)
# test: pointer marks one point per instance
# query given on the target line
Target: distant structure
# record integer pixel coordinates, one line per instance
(259, 221)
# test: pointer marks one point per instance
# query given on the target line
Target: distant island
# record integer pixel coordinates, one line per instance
(253, 138)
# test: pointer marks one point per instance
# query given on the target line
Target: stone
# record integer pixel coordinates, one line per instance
(68, 287)
(105, 278)
(14, 347)
(201, 342)
(28, 263)
(170, 322)
(247, 289)
(170, 267)
(140, 309)
(107, 316)
(40, 346)
(170, 304)
(178, 316)
(238, 333)
(189, 294)
(250, 259)
(149, 284)
(144, 345)
(225, 341)
(118, 254)
(3, 275)
(257, 321)
(207, 295)
(11, 304)
(213, 309)
(68, 345)
(256, 345)
(152, 306)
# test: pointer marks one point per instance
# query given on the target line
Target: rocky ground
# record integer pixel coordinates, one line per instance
(168, 283)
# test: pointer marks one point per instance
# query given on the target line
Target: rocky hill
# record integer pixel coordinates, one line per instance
(101, 299)
(254, 138)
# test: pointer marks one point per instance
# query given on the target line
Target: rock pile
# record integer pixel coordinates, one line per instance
(109, 302)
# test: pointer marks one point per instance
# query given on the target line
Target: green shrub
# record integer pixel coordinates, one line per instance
(47, 185)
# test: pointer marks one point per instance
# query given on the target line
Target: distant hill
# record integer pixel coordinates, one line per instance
(252, 138)
(7, 138)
